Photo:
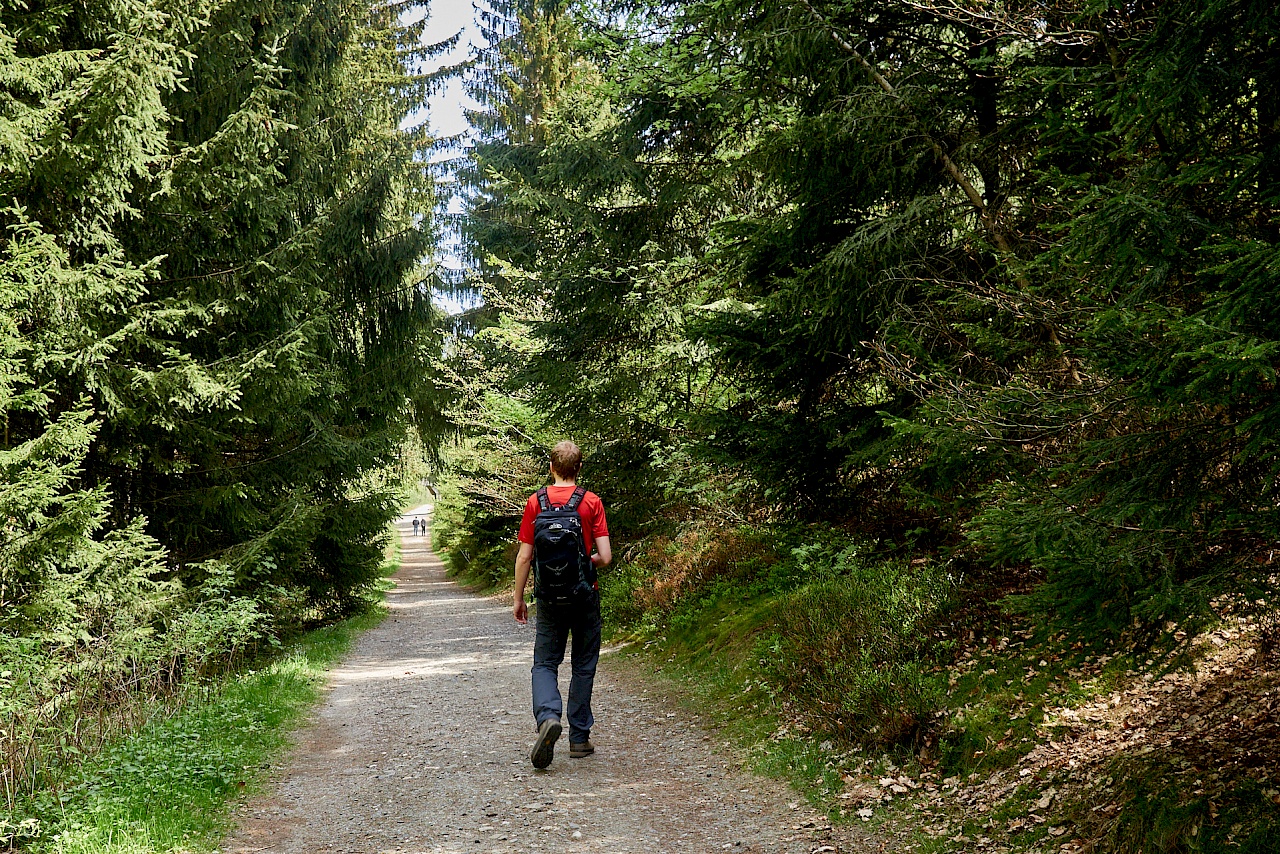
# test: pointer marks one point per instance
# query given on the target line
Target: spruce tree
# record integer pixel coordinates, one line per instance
(282, 349)
(83, 121)
(988, 282)
(215, 329)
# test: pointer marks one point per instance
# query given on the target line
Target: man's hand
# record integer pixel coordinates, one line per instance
(524, 562)
(603, 555)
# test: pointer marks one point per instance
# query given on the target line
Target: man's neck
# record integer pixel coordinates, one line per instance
(559, 481)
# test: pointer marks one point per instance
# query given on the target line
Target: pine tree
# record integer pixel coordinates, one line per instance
(83, 120)
(989, 281)
(215, 332)
(280, 351)
(1154, 493)
(518, 79)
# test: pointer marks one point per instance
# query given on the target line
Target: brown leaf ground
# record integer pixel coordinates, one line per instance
(1147, 763)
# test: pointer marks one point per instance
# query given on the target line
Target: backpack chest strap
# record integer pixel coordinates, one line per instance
(544, 502)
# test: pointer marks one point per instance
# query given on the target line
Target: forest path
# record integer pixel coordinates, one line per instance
(421, 746)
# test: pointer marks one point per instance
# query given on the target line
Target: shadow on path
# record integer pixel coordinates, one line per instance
(421, 746)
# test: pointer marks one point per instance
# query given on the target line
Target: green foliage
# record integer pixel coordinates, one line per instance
(493, 473)
(1128, 483)
(215, 340)
(856, 644)
(620, 601)
(945, 278)
(845, 641)
(1156, 812)
(297, 261)
(105, 654)
(169, 785)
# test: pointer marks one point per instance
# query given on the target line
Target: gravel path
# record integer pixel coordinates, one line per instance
(421, 746)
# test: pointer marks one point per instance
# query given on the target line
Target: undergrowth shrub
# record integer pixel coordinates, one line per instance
(851, 646)
(618, 602)
(477, 547)
(698, 557)
(115, 657)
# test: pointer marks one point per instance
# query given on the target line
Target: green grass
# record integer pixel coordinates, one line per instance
(169, 786)
(1156, 807)
(724, 647)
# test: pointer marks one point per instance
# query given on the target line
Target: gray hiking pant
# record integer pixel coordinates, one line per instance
(555, 624)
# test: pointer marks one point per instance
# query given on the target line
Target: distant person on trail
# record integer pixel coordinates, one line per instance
(415, 526)
(564, 538)
(422, 527)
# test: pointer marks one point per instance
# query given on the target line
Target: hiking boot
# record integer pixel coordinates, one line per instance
(544, 747)
(579, 749)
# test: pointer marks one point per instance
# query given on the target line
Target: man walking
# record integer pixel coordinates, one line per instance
(564, 538)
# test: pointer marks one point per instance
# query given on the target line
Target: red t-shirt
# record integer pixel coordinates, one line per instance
(591, 511)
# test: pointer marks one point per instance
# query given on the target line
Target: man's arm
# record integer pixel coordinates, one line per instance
(603, 555)
(524, 561)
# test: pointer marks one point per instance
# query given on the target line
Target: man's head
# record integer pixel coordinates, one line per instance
(566, 460)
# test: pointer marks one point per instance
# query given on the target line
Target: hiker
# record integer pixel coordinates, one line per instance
(564, 538)
(415, 526)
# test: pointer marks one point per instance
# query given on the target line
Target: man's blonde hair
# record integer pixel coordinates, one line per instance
(566, 460)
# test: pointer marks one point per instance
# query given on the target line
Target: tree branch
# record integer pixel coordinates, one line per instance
(979, 205)
(975, 198)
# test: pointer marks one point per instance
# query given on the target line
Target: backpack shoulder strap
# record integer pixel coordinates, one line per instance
(575, 499)
(543, 502)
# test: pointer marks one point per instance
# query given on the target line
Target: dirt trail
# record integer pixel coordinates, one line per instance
(421, 746)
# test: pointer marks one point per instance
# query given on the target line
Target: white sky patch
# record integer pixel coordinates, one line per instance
(444, 111)
(445, 117)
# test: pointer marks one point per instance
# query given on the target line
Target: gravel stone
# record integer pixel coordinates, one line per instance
(421, 746)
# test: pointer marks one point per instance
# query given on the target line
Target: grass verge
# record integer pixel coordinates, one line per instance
(943, 724)
(169, 786)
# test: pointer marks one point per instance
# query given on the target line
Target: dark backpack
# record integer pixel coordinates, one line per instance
(561, 568)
